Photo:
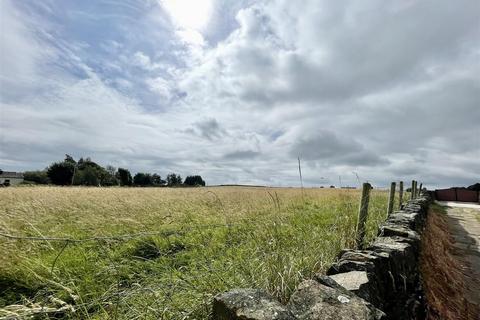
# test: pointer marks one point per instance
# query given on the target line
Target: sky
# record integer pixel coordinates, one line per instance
(237, 90)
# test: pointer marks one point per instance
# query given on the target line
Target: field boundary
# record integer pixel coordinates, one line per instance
(382, 281)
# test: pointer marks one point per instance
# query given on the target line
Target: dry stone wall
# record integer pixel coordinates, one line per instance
(379, 282)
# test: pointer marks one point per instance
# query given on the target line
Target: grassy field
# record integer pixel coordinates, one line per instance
(209, 240)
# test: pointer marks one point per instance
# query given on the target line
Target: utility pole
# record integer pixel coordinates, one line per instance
(300, 172)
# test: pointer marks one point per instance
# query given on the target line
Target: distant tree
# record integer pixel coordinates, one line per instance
(77, 178)
(157, 180)
(139, 179)
(109, 178)
(111, 169)
(69, 159)
(1, 171)
(474, 187)
(194, 181)
(61, 173)
(143, 179)
(87, 162)
(82, 172)
(174, 180)
(39, 177)
(89, 173)
(332, 187)
(88, 176)
(124, 177)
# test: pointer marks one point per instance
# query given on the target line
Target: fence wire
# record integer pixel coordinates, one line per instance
(128, 236)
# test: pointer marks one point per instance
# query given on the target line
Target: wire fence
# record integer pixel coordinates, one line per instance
(127, 236)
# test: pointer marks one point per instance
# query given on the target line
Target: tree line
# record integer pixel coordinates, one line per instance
(86, 172)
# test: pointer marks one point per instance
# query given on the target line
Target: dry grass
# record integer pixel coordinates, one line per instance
(269, 238)
(442, 273)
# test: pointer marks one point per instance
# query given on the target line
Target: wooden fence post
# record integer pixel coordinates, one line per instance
(391, 199)
(362, 215)
(420, 189)
(412, 191)
(400, 196)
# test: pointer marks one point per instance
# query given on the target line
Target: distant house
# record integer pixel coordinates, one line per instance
(9, 178)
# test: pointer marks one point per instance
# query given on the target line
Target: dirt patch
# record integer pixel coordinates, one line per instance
(442, 271)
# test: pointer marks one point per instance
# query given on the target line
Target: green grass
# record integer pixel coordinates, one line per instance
(221, 238)
(439, 208)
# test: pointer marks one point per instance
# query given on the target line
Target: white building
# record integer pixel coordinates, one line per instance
(11, 178)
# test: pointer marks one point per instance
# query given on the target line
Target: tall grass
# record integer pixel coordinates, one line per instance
(220, 238)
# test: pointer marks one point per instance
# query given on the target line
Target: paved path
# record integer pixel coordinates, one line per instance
(464, 220)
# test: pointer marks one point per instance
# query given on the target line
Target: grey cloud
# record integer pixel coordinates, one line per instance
(241, 155)
(444, 117)
(366, 51)
(405, 170)
(327, 147)
(342, 51)
(209, 129)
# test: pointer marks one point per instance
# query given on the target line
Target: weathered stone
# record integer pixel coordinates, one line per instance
(329, 282)
(402, 255)
(315, 301)
(390, 229)
(248, 304)
(358, 255)
(399, 279)
(372, 264)
(359, 282)
(389, 245)
(413, 207)
(350, 265)
(352, 281)
(411, 220)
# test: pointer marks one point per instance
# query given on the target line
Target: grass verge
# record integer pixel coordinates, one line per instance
(442, 276)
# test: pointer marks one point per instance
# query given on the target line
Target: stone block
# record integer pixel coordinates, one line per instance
(248, 304)
(315, 301)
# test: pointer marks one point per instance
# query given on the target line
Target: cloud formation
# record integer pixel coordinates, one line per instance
(385, 90)
(329, 149)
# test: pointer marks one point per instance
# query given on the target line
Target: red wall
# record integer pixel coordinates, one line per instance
(457, 194)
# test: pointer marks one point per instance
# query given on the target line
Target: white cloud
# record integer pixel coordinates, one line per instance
(386, 90)
(161, 87)
(20, 54)
(353, 70)
(191, 37)
(143, 61)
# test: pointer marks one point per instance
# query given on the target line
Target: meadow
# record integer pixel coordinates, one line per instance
(163, 253)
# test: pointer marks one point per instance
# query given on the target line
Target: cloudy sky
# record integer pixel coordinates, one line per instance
(236, 90)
